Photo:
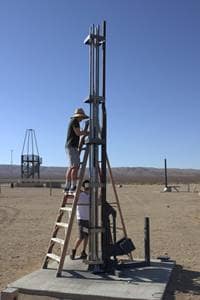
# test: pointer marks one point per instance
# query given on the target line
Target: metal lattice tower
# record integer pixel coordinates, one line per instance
(30, 159)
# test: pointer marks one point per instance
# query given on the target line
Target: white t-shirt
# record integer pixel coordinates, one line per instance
(82, 211)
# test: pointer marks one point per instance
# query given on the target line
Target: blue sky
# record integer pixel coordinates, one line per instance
(153, 77)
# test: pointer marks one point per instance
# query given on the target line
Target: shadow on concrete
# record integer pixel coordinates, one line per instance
(155, 274)
(182, 281)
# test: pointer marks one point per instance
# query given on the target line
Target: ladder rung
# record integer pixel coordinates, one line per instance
(54, 257)
(69, 195)
(57, 240)
(119, 228)
(72, 193)
(66, 208)
(68, 204)
(60, 224)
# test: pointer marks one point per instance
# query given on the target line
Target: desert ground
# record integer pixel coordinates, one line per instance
(27, 216)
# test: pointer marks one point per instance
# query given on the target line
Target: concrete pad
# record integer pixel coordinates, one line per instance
(77, 283)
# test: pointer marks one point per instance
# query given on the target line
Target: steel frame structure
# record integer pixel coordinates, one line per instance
(98, 237)
(30, 159)
(99, 231)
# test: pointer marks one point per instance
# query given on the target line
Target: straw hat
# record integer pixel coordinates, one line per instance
(79, 112)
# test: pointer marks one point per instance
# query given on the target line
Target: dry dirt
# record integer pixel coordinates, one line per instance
(27, 216)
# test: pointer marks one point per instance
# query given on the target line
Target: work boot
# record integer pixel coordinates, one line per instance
(72, 255)
(66, 190)
(67, 187)
(83, 255)
(72, 189)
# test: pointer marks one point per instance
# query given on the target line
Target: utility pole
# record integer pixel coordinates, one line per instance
(166, 188)
(166, 183)
(11, 168)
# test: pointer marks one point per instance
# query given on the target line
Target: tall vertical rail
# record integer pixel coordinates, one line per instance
(99, 231)
(97, 144)
(103, 147)
(94, 254)
(92, 209)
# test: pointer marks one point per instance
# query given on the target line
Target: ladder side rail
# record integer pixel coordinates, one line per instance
(51, 243)
(54, 234)
(82, 139)
(67, 236)
(116, 197)
(70, 224)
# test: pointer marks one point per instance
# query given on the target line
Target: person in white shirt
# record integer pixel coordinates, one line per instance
(82, 214)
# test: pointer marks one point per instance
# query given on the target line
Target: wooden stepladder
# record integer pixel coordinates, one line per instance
(60, 244)
(68, 206)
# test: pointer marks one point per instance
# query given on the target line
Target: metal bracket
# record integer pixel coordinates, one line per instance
(96, 99)
(97, 229)
(95, 141)
(92, 37)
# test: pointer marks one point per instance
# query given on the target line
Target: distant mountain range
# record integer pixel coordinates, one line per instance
(121, 175)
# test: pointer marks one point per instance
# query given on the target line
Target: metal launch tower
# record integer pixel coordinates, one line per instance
(98, 238)
(30, 159)
(102, 231)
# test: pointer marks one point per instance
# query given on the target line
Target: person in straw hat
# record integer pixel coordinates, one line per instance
(71, 146)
